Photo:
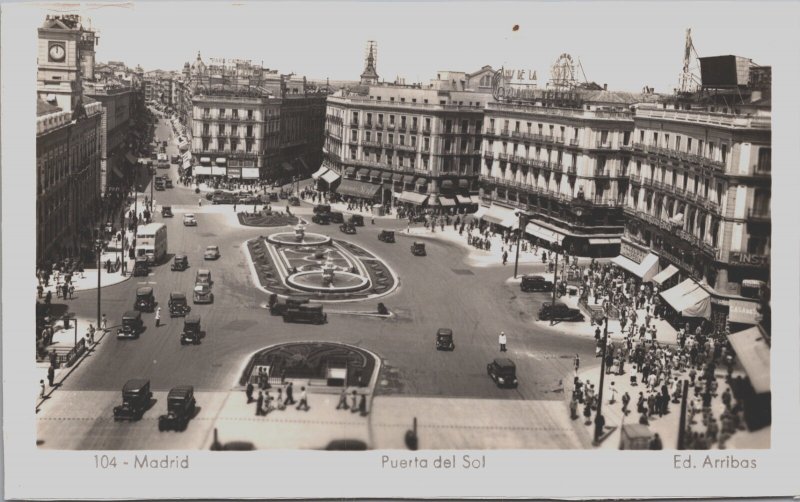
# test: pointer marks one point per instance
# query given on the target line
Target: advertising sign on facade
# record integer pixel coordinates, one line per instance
(743, 311)
(632, 253)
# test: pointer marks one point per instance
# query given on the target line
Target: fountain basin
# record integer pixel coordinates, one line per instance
(311, 281)
(289, 239)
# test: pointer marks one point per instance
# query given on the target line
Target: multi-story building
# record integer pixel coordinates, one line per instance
(698, 205)
(421, 145)
(117, 159)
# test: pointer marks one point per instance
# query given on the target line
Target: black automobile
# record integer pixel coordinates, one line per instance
(181, 406)
(503, 371)
(166, 212)
(192, 332)
(356, 219)
(294, 200)
(418, 249)
(175, 159)
(444, 339)
(180, 263)
(159, 184)
(386, 236)
(145, 300)
(168, 183)
(308, 312)
(141, 267)
(131, 325)
(223, 198)
(558, 311)
(535, 283)
(278, 306)
(347, 228)
(321, 218)
(336, 217)
(178, 306)
(136, 398)
(322, 208)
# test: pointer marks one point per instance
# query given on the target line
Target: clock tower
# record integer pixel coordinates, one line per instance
(63, 58)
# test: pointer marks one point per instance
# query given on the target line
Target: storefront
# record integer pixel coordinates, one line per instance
(544, 235)
(446, 205)
(358, 189)
(412, 198)
(638, 262)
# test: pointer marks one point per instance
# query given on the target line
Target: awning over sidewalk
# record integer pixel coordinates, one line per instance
(543, 233)
(350, 171)
(644, 270)
(446, 201)
(186, 164)
(480, 212)
(360, 189)
(319, 172)
(662, 277)
(330, 177)
(464, 199)
(602, 241)
(689, 298)
(413, 198)
(502, 216)
(753, 352)
(202, 170)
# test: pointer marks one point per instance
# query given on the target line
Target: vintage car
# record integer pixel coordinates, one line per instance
(168, 183)
(211, 253)
(159, 184)
(418, 249)
(180, 263)
(386, 236)
(175, 159)
(192, 332)
(321, 218)
(558, 311)
(307, 312)
(210, 195)
(322, 208)
(294, 200)
(347, 228)
(136, 398)
(178, 306)
(503, 371)
(203, 276)
(223, 198)
(145, 300)
(189, 220)
(131, 325)
(202, 294)
(336, 217)
(181, 407)
(278, 306)
(356, 219)
(535, 283)
(141, 267)
(444, 339)
(166, 211)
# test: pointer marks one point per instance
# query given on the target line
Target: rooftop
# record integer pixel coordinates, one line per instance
(45, 108)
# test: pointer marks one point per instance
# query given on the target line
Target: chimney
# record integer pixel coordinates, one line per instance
(605, 87)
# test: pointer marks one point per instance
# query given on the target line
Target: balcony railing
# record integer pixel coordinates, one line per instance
(704, 117)
(413, 129)
(406, 148)
(573, 142)
(488, 154)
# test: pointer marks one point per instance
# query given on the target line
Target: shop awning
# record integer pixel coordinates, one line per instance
(349, 171)
(386, 176)
(447, 184)
(463, 183)
(661, 277)
(421, 182)
(397, 177)
(743, 311)
(186, 164)
(205, 160)
(502, 216)
(464, 199)
(413, 197)
(202, 170)
(753, 352)
(374, 174)
(359, 189)
(689, 299)
(250, 173)
(330, 177)
(644, 270)
(543, 233)
(319, 172)
(446, 201)
(480, 212)
(221, 160)
(218, 170)
(131, 158)
(408, 179)
(602, 241)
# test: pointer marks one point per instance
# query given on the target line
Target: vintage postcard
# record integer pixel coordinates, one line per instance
(399, 249)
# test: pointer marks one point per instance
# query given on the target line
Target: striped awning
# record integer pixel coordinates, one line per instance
(645, 270)
(689, 299)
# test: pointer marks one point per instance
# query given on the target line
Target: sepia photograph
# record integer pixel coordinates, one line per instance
(274, 226)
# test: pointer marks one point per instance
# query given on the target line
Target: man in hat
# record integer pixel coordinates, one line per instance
(502, 341)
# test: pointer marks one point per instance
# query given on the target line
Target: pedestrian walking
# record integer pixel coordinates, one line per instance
(613, 392)
(354, 404)
(259, 403)
(41, 392)
(303, 400)
(51, 375)
(158, 317)
(502, 341)
(626, 399)
(71, 291)
(342, 400)
(289, 394)
(40, 290)
(91, 334)
(505, 257)
(249, 392)
(104, 322)
(577, 364)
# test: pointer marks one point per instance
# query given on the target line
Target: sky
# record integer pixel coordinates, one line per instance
(624, 44)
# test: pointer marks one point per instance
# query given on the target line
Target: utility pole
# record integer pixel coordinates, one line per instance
(599, 421)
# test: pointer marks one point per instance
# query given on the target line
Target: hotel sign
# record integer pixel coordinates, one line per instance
(632, 253)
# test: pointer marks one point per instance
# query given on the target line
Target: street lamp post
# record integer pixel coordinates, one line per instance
(98, 248)
(523, 222)
(599, 421)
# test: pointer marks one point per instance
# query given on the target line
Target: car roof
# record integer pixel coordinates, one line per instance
(444, 331)
(191, 319)
(135, 384)
(166, 207)
(177, 294)
(180, 256)
(188, 214)
(131, 314)
(180, 391)
(504, 362)
(203, 271)
(144, 290)
(556, 304)
(212, 246)
(532, 276)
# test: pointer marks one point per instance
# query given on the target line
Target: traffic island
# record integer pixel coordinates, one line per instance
(264, 219)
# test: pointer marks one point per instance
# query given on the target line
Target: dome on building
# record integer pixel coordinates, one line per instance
(199, 66)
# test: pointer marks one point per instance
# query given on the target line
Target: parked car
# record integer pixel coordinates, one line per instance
(145, 300)
(503, 371)
(356, 219)
(444, 339)
(321, 218)
(159, 185)
(141, 267)
(418, 249)
(211, 253)
(168, 183)
(386, 236)
(336, 217)
(189, 220)
(166, 212)
(180, 263)
(347, 228)
(278, 306)
(131, 325)
(181, 407)
(178, 306)
(535, 283)
(192, 331)
(294, 200)
(203, 276)
(223, 198)
(309, 312)
(558, 311)
(136, 398)
(322, 208)
(175, 159)
(202, 294)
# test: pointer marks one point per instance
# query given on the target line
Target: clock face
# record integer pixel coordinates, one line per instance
(57, 52)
